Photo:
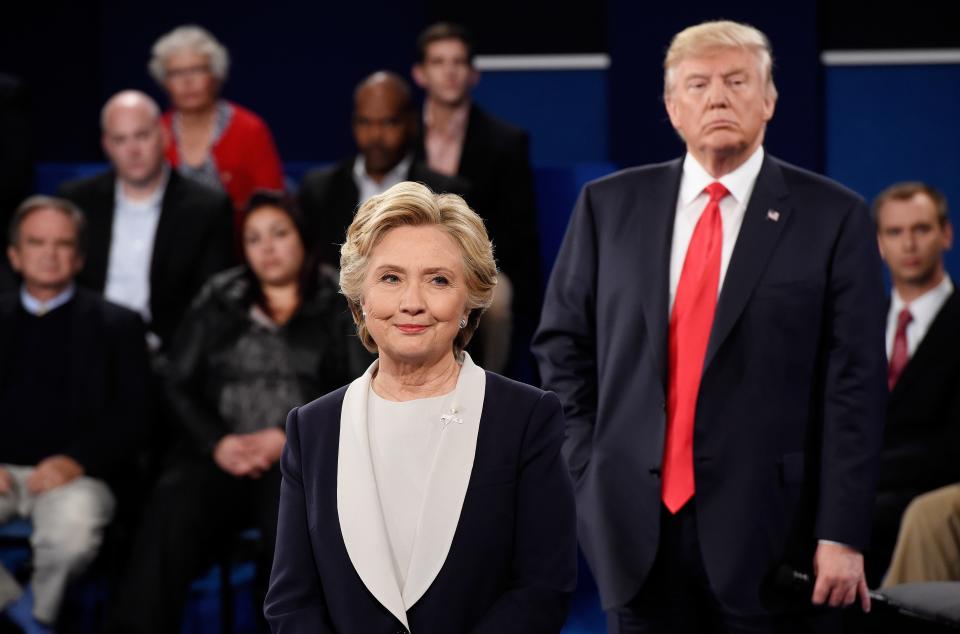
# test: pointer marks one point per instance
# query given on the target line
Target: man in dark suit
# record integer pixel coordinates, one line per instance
(73, 377)
(921, 448)
(154, 237)
(384, 128)
(460, 139)
(713, 329)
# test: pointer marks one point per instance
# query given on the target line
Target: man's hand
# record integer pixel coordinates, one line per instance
(6, 481)
(840, 577)
(53, 472)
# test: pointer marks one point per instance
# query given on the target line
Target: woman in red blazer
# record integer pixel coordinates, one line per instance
(214, 141)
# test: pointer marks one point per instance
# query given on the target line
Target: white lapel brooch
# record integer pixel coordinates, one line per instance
(450, 417)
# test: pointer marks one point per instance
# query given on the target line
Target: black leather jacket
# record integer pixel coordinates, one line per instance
(320, 337)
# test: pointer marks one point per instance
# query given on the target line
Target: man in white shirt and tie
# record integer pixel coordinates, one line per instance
(921, 450)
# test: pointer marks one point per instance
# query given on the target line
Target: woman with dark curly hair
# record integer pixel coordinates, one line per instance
(259, 340)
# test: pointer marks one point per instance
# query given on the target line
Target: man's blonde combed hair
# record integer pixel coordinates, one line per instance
(411, 204)
(707, 37)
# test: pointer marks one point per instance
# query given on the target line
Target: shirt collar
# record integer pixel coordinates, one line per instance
(929, 302)
(739, 182)
(153, 201)
(36, 307)
(397, 174)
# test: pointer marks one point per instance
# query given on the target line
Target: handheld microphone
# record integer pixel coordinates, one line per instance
(794, 582)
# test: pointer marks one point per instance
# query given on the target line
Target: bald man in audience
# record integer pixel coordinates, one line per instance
(385, 129)
(154, 237)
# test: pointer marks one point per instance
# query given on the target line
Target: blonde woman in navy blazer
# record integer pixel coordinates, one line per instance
(464, 524)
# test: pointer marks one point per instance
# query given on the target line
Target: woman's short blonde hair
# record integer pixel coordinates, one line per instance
(192, 38)
(413, 205)
(707, 37)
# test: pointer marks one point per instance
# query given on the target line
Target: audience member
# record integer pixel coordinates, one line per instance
(461, 139)
(154, 237)
(921, 448)
(215, 141)
(384, 128)
(713, 328)
(928, 547)
(258, 341)
(73, 390)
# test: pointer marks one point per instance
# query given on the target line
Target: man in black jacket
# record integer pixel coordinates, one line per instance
(154, 237)
(921, 448)
(73, 377)
(384, 128)
(461, 139)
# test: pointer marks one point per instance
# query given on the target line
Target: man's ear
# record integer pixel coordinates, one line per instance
(14, 258)
(419, 76)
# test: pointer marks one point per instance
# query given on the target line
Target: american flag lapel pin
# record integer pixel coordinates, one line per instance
(773, 214)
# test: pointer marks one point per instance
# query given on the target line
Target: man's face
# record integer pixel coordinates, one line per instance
(912, 240)
(134, 140)
(47, 254)
(720, 103)
(445, 72)
(382, 128)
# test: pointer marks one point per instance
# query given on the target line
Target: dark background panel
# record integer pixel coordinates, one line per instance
(845, 24)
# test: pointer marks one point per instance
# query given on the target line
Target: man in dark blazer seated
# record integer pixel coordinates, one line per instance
(921, 447)
(713, 326)
(154, 237)
(461, 139)
(73, 397)
(384, 128)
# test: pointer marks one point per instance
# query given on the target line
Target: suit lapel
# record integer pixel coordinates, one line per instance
(358, 503)
(447, 484)
(931, 346)
(758, 237)
(470, 149)
(166, 229)
(656, 235)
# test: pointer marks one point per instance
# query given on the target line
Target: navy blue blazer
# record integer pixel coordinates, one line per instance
(790, 412)
(511, 566)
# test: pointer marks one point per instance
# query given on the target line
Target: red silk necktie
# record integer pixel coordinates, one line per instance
(690, 325)
(899, 355)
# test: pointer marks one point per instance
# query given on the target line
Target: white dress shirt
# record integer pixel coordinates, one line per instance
(691, 202)
(131, 249)
(369, 187)
(404, 437)
(924, 310)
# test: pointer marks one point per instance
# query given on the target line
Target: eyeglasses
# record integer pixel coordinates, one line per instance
(188, 71)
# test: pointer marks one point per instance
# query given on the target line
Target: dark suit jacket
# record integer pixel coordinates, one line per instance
(328, 200)
(511, 566)
(921, 446)
(107, 368)
(495, 162)
(789, 418)
(194, 240)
